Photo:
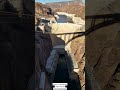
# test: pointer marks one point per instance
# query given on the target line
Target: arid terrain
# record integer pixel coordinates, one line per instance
(71, 7)
(42, 10)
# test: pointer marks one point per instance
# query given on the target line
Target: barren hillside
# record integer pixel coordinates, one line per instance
(72, 7)
(42, 10)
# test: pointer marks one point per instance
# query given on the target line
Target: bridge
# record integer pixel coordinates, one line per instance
(107, 19)
(67, 37)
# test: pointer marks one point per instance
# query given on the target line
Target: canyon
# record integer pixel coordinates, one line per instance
(63, 23)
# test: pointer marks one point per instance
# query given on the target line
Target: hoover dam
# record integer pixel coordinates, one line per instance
(61, 64)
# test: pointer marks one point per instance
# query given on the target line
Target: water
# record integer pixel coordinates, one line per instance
(62, 19)
(62, 75)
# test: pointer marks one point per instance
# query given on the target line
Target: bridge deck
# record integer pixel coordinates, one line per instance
(60, 33)
(116, 15)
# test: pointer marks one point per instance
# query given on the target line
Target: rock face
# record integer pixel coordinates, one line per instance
(19, 6)
(102, 52)
(17, 57)
(78, 50)
(42, 43)
(41, 9)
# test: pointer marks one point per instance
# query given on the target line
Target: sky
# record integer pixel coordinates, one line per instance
(48, 1)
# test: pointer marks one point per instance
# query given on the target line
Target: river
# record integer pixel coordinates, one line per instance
(62, 75)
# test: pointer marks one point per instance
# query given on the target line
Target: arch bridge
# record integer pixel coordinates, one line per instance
(106, 20)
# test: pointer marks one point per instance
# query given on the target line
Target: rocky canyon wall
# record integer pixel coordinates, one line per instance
(43, 47)
(103, 51)
(78, 49)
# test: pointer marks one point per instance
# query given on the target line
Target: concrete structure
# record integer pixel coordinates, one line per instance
(66, 28)
(60, 49)
(42, 81)
(52, 62)
(63, 13)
